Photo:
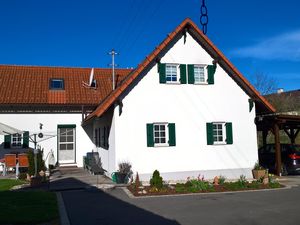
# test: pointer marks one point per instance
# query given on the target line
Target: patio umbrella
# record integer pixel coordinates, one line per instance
(5, 129)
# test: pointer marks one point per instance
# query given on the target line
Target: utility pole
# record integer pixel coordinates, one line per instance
(113, 65)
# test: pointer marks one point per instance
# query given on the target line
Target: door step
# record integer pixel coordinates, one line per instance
(68, 165)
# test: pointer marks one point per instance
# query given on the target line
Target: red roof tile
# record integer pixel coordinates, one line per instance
(30, 85)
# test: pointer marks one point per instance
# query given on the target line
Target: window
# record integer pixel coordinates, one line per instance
(16, 140)
(161, 134)
(219, 133)
(57, 84)
(171, 73)
(199, 75)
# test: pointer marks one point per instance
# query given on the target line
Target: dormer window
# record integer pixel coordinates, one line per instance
(57, 84)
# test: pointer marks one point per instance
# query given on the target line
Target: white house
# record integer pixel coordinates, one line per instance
(185, 110)
(57, 98)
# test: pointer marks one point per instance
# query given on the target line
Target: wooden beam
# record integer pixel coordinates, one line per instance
(277, 150)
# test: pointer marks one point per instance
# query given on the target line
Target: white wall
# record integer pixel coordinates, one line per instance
(30, 122)
(189, 107)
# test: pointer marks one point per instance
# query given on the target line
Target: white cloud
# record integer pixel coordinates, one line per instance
(282, 47)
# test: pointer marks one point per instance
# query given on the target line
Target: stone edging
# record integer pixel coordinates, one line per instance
(130, 195)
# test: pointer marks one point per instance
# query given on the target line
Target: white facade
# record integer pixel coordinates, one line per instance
(30, 122)
(190, 107)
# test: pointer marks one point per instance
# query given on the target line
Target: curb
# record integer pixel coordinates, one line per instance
(64, 219)
(130, 195)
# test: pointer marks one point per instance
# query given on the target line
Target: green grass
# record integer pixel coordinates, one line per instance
(6, 184)
(26, 207)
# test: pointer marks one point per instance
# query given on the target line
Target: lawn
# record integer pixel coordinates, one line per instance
(6, 184)
(26, 207)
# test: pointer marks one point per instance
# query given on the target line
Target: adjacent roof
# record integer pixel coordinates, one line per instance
(186, 26)
(30, 85)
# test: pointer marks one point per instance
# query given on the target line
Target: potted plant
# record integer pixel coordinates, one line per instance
(123, 174)
(258, 171)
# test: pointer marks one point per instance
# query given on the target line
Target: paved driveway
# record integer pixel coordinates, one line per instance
(267, 207)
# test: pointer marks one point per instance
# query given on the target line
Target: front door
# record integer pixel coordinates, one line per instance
(66, 144)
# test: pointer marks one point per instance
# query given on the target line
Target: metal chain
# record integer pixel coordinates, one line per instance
(204, 17)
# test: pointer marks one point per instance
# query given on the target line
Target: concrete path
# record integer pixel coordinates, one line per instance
(94, 207)
(75, 178)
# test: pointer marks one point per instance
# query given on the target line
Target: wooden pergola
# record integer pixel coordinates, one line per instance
(290, 124)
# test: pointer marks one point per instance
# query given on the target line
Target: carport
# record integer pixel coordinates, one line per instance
(290, 124)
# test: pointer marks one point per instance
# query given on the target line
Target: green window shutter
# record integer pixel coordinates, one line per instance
(150, 138)
(191, 75)
(211, 69)
(229, 136)
(162, 73)
(26, 139)
(172, 134)
(182, 73)
(209, 134)
(7, 141)
(251, 104)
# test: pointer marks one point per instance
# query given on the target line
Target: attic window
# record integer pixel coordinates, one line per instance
(57, 84)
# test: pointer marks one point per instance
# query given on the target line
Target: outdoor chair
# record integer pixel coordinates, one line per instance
(10, 161)
(23, 161)
(92, 162)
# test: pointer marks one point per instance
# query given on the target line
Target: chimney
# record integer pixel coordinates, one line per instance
(280, 90)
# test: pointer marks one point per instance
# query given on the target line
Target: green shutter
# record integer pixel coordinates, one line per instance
(150, 138)
(211, 69)
(172, 134)
(251, 104)
(191, 75)
(26, 139)
(7, 141)
(182, 73)
(162, 73)
(209, 133)
(229, 136)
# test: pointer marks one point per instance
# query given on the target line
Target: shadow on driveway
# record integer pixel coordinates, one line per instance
(97, 207)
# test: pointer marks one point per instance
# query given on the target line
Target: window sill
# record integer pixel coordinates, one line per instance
(176, 83)
(161, 145)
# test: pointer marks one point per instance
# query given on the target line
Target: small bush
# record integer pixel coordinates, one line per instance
(22, 176)
(40, 162)
(242, 181)
(156, 180)
(222, 179)
(180, 188)
(258, 167)
(137, 182)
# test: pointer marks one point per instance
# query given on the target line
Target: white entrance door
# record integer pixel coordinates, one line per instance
(66, 145)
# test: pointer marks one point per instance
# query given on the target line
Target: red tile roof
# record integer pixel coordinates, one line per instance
(189, 25)
(30, 85)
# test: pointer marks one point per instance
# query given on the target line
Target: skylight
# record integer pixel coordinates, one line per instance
(57, 84)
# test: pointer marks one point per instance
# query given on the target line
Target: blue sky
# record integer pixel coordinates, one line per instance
(257, 36)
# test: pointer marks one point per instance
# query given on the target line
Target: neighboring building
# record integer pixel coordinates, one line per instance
(57, 98)
(185, 110)
(285, 102)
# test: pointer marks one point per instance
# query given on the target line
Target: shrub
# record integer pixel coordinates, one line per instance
(180, 188)
(125, 168)
(258, 167)
(200, 185)
(222, 179)
(22, 176)
(137, 182)
(40, 162)
(242, 181)
(156, 180)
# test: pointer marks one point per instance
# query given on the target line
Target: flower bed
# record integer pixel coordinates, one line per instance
(200, 185)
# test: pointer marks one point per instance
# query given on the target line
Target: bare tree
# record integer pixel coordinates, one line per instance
(264, 83)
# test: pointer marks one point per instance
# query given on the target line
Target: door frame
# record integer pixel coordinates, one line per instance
(66, 126)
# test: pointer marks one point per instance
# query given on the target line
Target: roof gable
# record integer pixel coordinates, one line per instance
(186, 26)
